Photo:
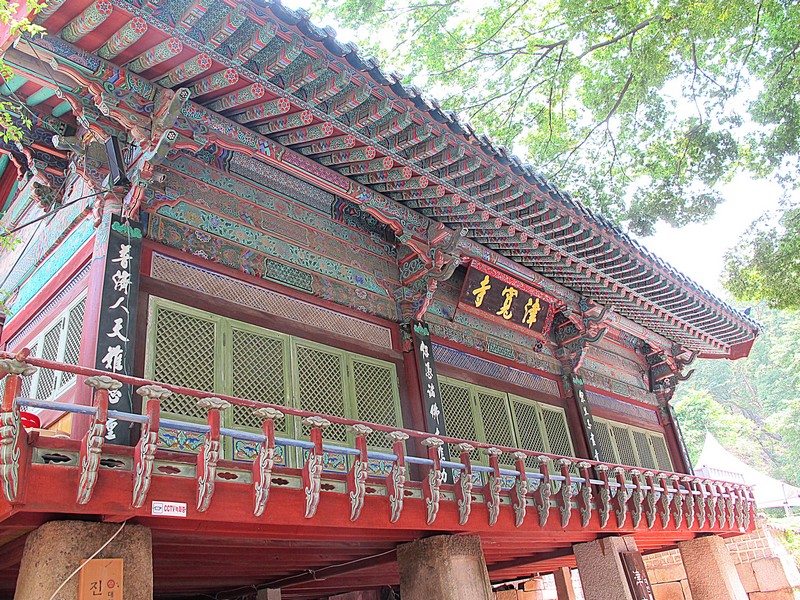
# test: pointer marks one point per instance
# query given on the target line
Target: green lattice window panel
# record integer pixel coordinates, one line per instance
(259, 371)
(661, 452)
(376, 394)
(320, 385)
(643, 449)
(459, 414)
(555, 424)
(603, 437)
(481, 414)
(59, 341)
(529, 427)
(189, 347)
(623, 444)
(495, 418)
(182, 349)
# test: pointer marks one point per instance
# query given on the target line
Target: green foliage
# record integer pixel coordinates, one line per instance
(766, 263)
(639, 108)
(10, 131)
(752, 406)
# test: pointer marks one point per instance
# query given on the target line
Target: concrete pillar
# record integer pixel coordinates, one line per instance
(363, 595)
(564, 589)
(57, 548)
(445, 567)
(710, 569)
(600, 568)
(269, 594)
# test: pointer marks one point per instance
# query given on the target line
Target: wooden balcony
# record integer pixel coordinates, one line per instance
(223, 526)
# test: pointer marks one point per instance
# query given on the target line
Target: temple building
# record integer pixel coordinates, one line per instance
(278, 326)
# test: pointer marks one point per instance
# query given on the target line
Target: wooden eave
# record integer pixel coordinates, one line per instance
(327, 102)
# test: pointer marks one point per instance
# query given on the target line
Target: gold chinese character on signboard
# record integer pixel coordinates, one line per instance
(531, 312)
(509, 293)
(480, 291)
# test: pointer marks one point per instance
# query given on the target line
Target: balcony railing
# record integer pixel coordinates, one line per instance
(574, 487)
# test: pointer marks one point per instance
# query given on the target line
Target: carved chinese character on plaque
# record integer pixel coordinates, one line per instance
(495, 295)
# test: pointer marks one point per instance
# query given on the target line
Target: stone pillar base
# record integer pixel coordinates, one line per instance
(710, 569)
(444, 567)
(57, 548)
(600, 568)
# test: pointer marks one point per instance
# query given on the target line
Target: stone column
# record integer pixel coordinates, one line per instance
(564, 588)
(57, 548)
(710, 569)
(600, 568)
(445, 567)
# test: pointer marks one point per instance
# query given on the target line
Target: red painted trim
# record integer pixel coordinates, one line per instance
(603, 392)
(626, 419)
(7, 181)
(497, 360)
(149, 247)
(262, 189)
(253, 316)
(498, 385)
(48, 291)
(56, 311)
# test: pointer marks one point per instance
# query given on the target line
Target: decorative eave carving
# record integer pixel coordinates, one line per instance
(423, 266)
(665, 369)
(573, 330)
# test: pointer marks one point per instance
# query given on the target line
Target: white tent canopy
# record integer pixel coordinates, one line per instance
(716, 462)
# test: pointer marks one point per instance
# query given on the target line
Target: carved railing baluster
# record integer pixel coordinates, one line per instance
(145, 451)
(10, 428)
(711, 501)
(264, 461)
(663, 502)
(313, 467)
(603, 497)
(432, 484)
(357, 476)
(396, 482)
(749, 506)
(541, 495)
(689, 501)
(494, 482)
(730, 505)
(564, 494)
(739, 504)
(463, 487)
(700, 502)
(620, 498)
(649, 503)
(722, 506)
(92, 442)
(208, 457)
(719, 502)
(636, 498)
(676, 506)
(519, 494)
(584, 497)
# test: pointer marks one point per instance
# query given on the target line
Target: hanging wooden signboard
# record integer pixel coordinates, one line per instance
(494, 295)
(429, 382)
(101, 578)
(115, 339)
(636, 574)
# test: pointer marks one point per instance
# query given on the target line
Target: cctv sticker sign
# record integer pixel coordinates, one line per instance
(168, 509)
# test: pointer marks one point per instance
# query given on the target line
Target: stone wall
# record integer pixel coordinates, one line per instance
(765, 567)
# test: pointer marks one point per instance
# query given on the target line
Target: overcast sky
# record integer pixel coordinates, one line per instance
(698, 250)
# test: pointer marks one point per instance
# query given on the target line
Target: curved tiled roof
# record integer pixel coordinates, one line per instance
(268, 68)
